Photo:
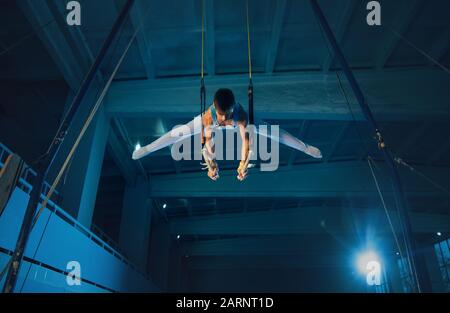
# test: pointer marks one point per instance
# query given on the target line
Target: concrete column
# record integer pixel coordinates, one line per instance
(393, 275)
(421, 266)
(80, 184)
(437, 282)
(160, 253)
(175, 264)
(184, 279)
(135, 222)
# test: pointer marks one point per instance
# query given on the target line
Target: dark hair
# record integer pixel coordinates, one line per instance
(224, 99)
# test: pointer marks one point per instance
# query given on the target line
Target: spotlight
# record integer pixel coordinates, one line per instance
(164, 206)
(137, 147)
(439, 233)
(178, 236)
(370, 266)
(365, 258)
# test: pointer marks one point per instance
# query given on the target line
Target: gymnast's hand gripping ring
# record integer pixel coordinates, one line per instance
(244, 166)
(210, 164)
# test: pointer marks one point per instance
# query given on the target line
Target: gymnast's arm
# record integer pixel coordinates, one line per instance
(209, 155)
(207, 122)
(242, 124)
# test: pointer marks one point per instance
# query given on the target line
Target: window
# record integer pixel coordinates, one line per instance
(405, 275)
(442, 250)
(383, 287)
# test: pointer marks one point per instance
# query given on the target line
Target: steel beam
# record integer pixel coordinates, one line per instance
(291, 96)
(46, 161)
(302, 221)
(303, 180)
(419, 278)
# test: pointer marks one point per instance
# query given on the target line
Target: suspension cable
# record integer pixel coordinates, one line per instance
(85, 127)
(344, 93)
(202, 80)
(203, 39)
(381, 145)
(408, 260)
(202, 109)
(419, 173)
(249, 44)
(73, 149)
(383, 202)
(419, 50)
(250, 85)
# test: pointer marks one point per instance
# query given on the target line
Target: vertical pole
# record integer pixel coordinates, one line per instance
(251, 118)
(47, 160)
(398, 189)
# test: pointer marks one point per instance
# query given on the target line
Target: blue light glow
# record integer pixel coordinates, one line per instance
(365, 258)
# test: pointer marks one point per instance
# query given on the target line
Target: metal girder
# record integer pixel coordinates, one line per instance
(303, 128)
(296, 261)
(80, 44)
(137, 19)
(121, 157)
(344, 21)
(291, 96)
(419, 277)
(304, 221)
(338, 139)
(38, 13)
(403, 23)
(340, 179)
(47, 160)
(261, 245)
(277, 27)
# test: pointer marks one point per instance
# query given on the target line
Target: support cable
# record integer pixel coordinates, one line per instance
(67, 163)
(202, 80)
(372, 165)
(46, 162)
(419, 173)
(367, 154)
(383, 202)
(69, 158)
(398, 188)
(344, 93)
(250, 74)
(419, 50)
(86, 125)
(249, 43)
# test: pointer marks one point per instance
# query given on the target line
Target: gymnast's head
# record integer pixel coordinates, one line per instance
(224, 102)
